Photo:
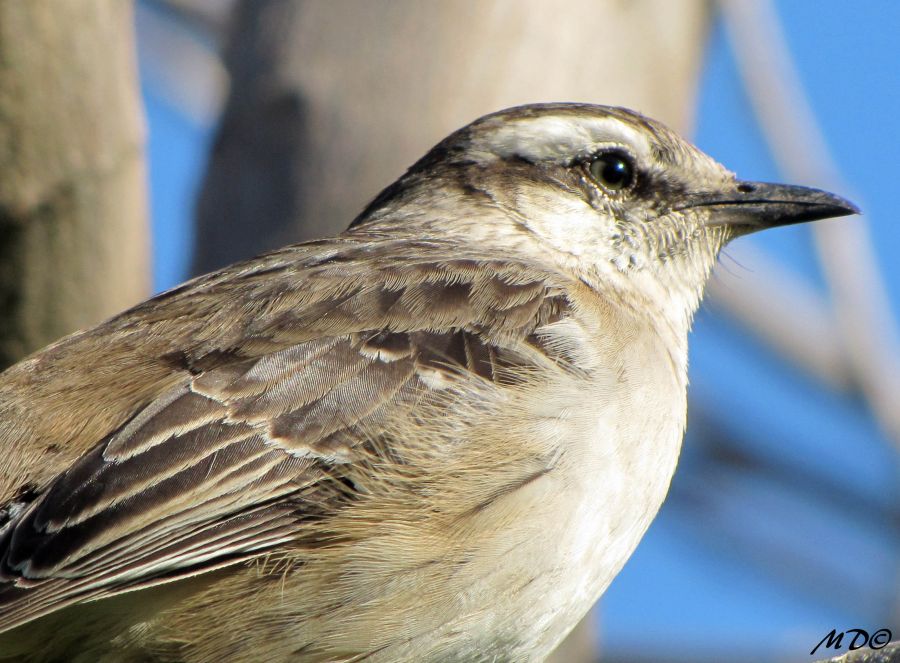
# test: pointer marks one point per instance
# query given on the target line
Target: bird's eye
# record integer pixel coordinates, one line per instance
(613, 170)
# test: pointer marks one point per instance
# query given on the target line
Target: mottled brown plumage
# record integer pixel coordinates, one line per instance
(270, 380)
(435, 437)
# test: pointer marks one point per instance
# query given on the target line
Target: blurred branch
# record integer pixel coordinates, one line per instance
(212, 17)
(870, 340)
(184, 67)
(844, 497)
(725, 491)
(788, 313)
(890, 654)
(73, 228)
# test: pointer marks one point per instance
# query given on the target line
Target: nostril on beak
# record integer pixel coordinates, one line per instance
(744, 187)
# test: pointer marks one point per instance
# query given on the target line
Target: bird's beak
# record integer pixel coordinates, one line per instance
(750, 206)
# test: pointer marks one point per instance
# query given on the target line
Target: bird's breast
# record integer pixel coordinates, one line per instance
(615, 426)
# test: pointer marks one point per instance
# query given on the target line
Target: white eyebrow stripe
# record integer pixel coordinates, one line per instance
(559, 137)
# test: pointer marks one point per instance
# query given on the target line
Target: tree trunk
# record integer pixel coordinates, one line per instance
(73, 229)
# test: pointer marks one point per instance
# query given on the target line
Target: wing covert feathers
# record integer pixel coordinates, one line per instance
(192, 431)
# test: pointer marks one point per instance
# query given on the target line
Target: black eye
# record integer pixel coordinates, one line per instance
(613, 170)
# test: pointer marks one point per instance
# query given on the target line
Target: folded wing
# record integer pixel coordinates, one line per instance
(229, 461)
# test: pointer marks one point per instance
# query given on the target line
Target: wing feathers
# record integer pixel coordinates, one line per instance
(271, 396)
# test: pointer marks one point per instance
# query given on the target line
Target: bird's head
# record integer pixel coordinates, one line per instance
(615, 198)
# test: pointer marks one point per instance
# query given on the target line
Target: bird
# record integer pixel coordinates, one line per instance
(436, 436)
